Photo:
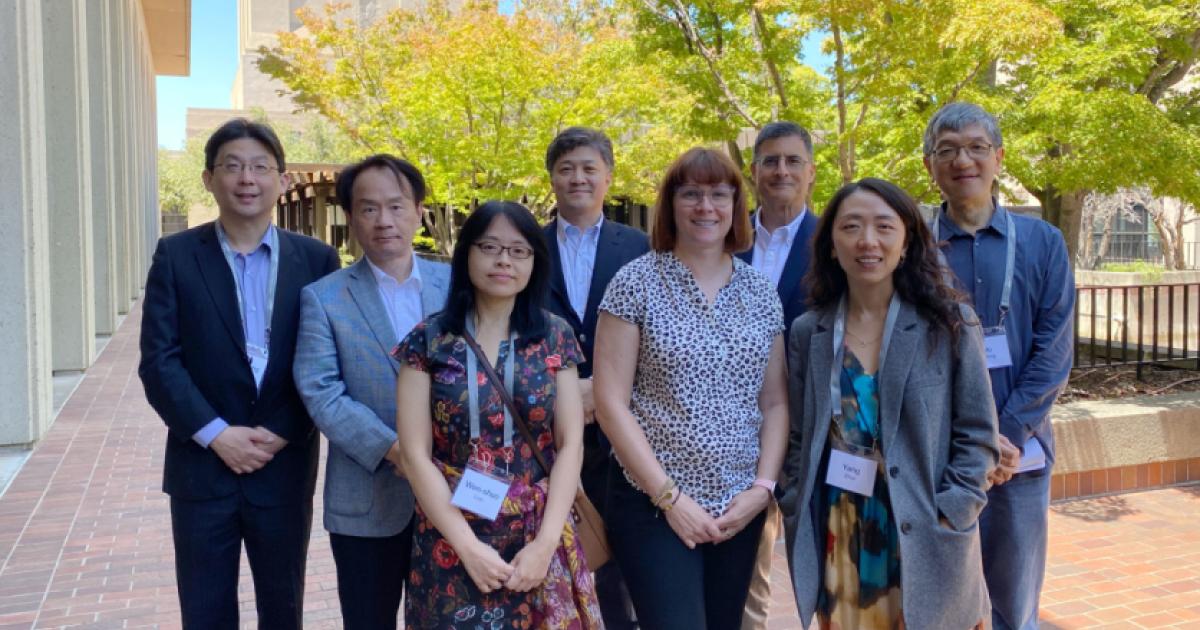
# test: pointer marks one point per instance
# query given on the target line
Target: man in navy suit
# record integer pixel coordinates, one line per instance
(783, 173)
(350, 321)
(586, 251)
(218, 335)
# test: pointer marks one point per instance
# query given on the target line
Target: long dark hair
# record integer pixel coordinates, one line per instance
(528, 319)
(918, 278)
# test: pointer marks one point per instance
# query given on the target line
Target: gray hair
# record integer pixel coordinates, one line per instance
(782, 129)
(572, 138)
(959, 116)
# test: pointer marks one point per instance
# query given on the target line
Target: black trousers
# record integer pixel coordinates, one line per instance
(208, 547)
(616, 608)
(371, 573)
(673, 587)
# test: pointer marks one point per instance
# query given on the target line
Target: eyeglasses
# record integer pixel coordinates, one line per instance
(721, 196)
(236, 168)
(792, 162)
(975, 151)
(494, 249)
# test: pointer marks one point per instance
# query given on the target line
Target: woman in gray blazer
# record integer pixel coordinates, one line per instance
(893, 430)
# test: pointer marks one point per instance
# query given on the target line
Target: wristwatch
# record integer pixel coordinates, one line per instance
(767, 485)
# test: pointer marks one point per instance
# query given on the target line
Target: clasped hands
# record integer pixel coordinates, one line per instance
(246, 449)
(491, 573)
(1010, 458)
(694, 525)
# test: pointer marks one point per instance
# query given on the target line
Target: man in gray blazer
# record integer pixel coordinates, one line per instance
(349, 323)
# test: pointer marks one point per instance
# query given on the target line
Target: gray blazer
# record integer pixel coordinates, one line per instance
(938, 429)
(347, 379)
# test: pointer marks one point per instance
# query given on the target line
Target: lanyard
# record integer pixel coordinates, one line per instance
(1010, 261)
(473, 386)
(839, 338)
(272, 279)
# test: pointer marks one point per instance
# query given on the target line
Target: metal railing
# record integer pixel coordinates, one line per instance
(1138, 325)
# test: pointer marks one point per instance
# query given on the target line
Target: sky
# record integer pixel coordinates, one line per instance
(214, 60)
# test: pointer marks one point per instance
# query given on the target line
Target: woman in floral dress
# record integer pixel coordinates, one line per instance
(524, 568)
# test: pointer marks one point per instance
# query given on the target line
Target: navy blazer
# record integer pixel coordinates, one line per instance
(792, 293)
(194, 367)
(618, 245)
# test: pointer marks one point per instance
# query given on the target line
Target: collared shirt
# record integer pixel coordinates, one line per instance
(401, 300)
(771, 249)
(1039, 324)
(252, 280)
(577, 251)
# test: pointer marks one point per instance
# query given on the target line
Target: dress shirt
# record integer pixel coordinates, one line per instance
(402, 300)
(771, 249)
(577, 251)
(1039, 323)
(252, 279)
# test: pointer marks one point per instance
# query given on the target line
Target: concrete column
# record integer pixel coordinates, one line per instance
(104, 166)
(25, 383)
(123, 189)
(68, 154)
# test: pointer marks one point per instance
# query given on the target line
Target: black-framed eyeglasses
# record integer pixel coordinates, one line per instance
(494, 249)
(235, 168)
(975, 151)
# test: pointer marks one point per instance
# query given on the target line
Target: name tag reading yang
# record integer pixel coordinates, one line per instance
(851, 472)
(995, 347)
(480, 492)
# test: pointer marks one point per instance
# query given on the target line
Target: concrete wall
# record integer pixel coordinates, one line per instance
(78, 191)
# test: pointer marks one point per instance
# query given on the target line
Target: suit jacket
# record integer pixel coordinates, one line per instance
(792, 292)
(194, 366)
(618, 245)
(347, 378)
(939, 440)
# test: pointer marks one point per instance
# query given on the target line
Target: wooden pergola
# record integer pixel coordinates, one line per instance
(309, 206)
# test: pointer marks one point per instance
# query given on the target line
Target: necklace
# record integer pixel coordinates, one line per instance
(862, 341)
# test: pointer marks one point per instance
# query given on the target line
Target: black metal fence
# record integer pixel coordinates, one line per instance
(1138, 325)
(1136, 247)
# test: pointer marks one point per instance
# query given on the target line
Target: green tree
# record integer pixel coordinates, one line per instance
(179, 183)
(474, 97)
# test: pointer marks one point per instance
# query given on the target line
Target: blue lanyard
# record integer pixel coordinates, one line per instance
(473, 386)
(1010, 260)
(839, 338)
(272, 279)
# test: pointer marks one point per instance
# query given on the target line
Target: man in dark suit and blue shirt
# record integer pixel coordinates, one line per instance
(586, 251)
(783, 173)
(1016, 271)
(349, 323)
(218, 336)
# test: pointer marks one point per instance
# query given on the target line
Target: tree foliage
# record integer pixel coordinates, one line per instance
(474, 97)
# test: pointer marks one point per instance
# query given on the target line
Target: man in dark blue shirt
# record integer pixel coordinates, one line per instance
(1017, 274)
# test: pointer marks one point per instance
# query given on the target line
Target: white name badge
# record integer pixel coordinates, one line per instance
(480, 493)
(995, 346)
(851, 472)
(258, 362)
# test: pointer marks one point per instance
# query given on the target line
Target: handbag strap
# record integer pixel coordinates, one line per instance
(518, 419)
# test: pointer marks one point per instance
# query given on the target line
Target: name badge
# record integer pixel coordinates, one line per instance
(258, 362)
(480, 492)
(995, 346)
(851, 472)
(1034, 457)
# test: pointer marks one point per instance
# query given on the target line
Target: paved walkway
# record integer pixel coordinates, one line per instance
(85, 536)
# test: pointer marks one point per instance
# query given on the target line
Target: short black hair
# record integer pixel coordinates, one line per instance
(782, 129)
(237, 129)
(528, 320)
(402, 169)
(572, 138)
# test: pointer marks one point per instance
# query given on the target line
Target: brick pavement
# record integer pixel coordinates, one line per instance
(85, 534)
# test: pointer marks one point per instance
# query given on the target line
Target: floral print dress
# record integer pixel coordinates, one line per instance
(440, 593)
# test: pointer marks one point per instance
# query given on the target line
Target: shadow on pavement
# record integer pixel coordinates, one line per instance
(1095, 509)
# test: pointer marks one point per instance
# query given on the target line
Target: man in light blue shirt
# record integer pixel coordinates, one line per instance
(350, 322)
(1016, 272)
(218, 335)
